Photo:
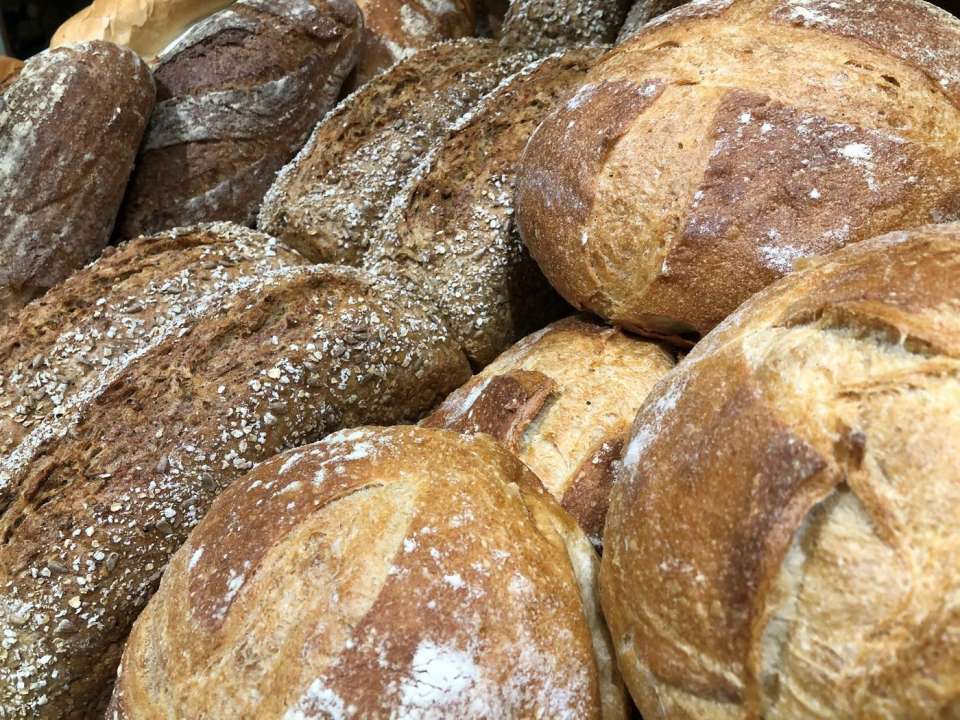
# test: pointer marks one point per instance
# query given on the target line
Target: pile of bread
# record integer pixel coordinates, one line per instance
(276, 440)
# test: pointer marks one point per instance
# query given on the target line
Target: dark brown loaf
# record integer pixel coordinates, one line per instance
(237, 97)
(69, 129)
(545, 26)
(332, 198)
(449, 237)
(94, 507)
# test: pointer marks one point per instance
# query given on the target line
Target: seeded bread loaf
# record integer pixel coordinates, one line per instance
(238, 95)
(545, 26)
(94, 505)
(562, 400)
(641, 13)
(449, 237)
(691, 172)
(332, 198)
(9, 70)
(69, 128)
(782, 541)
(381, 573)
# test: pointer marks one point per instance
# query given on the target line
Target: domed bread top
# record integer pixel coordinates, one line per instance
(399, 572)
(727, 139)
(781, 543)
(562, 400)
(93, 503)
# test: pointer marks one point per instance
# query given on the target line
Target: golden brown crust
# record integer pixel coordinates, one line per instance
(9, 69)
(802, 450)
(351, 577)
(735, 167)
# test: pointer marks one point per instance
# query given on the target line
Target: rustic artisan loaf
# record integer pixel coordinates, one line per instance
(69, 128)
(731, 137)
(397, 572)
(641, 13)
(783, 541)
(144, 26)
(238, 95)
(9, 70)
(449, 237)
(546, 26)
(95, 502)
(562, 400)
(332, 198)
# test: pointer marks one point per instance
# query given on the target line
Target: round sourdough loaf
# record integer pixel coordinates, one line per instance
(98, 495)
(562, 400)
(783, 541)
(398, 572)
(70, 124)
(729, 138)
(237, 97)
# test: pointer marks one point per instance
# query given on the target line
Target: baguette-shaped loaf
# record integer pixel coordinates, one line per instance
(70, 125)
(728, 139)
(92, 511)
(562, 400)
(782, 540)
(546, 26)
(330, 201)
(381, 573)
(9, 70)
(450, 236)
(238, 95)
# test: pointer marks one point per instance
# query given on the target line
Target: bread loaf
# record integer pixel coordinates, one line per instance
(641, 13)
(93, 507)
(450, 238)
(238, 96)
(144, 26)
(9, 70)
(782, 541)
(562, 400)
(689, 172)
(69, 129)
(546, 26)
(396, 572)
(332, 198)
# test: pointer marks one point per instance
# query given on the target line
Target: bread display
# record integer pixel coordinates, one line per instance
(332, 198)
(238, 95)
(397, 572)
(641, 13)
(95, 502)
(9, 70)
(450, 235)
(144, 26)
(69, 128)
(562, 400)
(729, 138)
(546, 26)
(782, 542)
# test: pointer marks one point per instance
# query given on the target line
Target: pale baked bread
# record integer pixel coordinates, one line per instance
(546, 26)
(641, 13)
(95, 502)
(331, 199)
(238, 95)
(9, 70)
(381, 573)
(145, 26)
(731, 137)
(783, 541)
(449, 237)
(562, 400)
(69, 128)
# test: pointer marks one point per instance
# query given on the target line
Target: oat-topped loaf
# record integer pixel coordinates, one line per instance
(92, 508)
(381, 573)
(727, 139)
(332, 198)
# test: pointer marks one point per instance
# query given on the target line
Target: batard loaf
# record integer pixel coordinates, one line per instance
(69, 128)
(238, 95)
(95, 502)
(729, 138)
(9, 70)
(562, 400)
(332, 198)
(782, 541)
(450, 238)
(380, 573)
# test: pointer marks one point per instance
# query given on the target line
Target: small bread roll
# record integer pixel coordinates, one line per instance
(562, 400)
(398, 572)
(783, 542)
(729, 138)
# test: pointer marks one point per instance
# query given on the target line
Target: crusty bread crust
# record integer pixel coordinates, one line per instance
(781, 541)
(9, 70)
(698, 163)
(562, 400)
(398, 572)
